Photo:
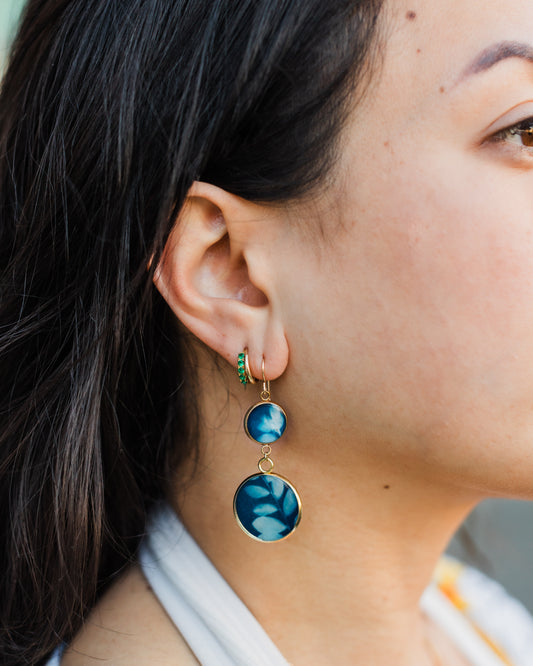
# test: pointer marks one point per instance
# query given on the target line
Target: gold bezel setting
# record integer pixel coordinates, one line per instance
(257, 405)
(292, 488)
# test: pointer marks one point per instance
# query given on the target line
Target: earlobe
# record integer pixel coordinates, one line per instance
(204, 275)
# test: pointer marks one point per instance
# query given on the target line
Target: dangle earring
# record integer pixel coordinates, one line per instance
(266, 506)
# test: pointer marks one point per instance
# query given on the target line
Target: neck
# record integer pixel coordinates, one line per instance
(358, 562)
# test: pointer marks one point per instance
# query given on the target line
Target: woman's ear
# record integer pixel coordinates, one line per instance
(214, 275)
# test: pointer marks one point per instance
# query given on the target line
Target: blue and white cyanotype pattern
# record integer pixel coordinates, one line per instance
(267, 507)
(265, 422)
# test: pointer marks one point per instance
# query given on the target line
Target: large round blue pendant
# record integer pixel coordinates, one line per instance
(267, 507)
(265, 422)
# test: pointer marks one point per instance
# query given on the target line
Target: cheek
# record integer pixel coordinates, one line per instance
(455, 266)
(445, 274)
(423, 311)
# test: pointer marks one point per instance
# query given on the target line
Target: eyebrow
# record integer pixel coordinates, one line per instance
(496, 53)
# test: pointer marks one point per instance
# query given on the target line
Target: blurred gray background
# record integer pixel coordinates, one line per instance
(497, 537)
(9, 13)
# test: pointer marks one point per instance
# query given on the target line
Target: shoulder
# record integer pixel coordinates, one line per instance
(129, 626)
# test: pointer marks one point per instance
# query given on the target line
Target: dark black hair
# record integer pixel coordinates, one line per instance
(109, 110)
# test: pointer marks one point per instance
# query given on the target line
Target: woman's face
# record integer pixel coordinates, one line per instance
(411, 330)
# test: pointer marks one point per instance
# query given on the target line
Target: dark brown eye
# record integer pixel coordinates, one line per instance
(527, 137)
(525, 132)
(520, 135)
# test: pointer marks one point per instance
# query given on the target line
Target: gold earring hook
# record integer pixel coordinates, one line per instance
(265, 393)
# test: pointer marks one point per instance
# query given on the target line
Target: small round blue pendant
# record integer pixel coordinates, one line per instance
(265, 422)
(267, 507)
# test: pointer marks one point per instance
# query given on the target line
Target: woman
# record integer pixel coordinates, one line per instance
(330, 202)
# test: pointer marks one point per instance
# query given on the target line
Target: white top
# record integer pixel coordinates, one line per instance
(221, 631)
